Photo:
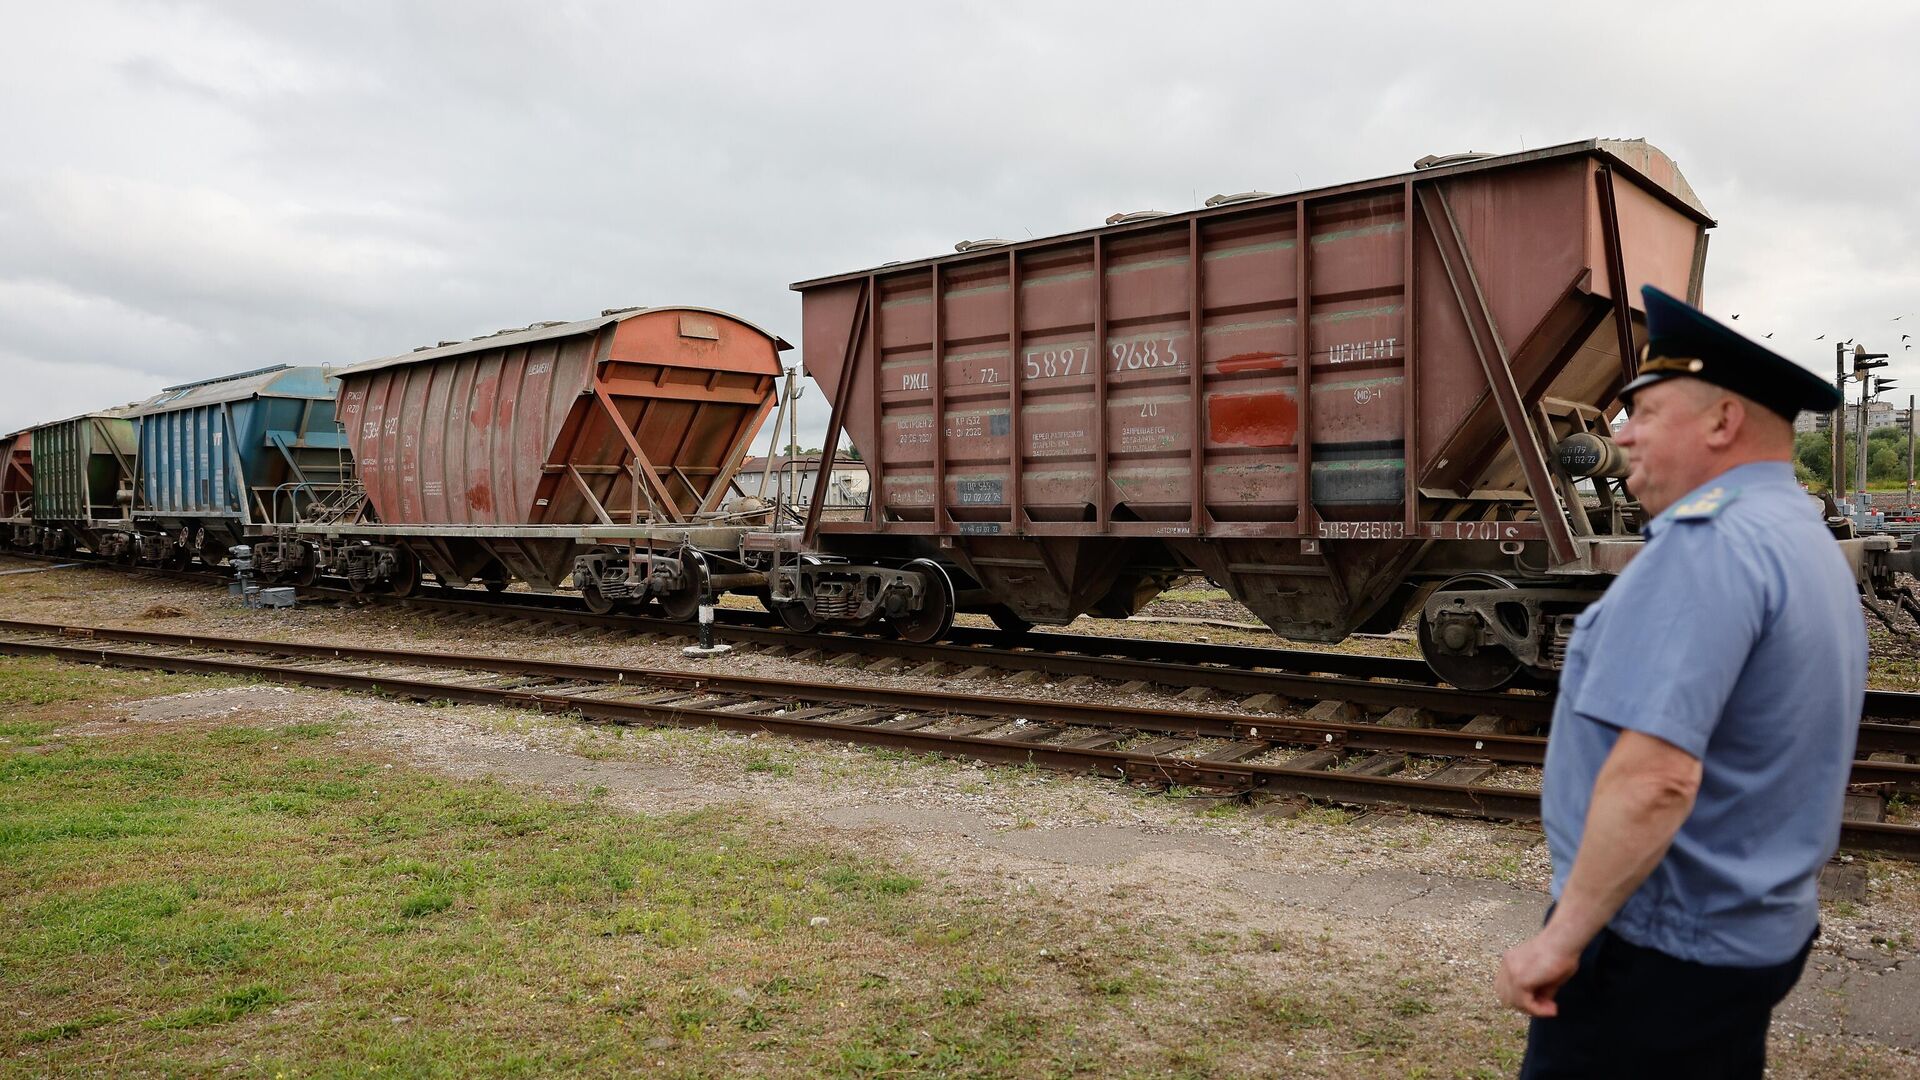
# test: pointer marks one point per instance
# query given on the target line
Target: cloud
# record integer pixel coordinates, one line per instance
(223, 185)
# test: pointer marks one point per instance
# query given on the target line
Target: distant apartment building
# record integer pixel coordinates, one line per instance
(1880, 414)
(1812, 421)
(846, 487)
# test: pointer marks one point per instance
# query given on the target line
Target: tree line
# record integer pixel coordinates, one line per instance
(1886, 457)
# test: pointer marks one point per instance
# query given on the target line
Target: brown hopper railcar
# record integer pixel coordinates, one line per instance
(1347, 406)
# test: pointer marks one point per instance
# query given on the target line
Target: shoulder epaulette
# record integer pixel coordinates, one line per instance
(1704, 506)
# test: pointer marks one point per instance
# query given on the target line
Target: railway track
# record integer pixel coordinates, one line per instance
(1297, 675)
(1382, 682)
(1281, 674)
(1377, 683)
(1341, 760)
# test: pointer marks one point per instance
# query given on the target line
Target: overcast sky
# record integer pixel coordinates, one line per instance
(191, 189)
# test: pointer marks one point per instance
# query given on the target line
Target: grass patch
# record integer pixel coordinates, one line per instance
(69, 1029)
(224, 1009)
(271, 899)
(761, 760)
(32, 681)
(421, 904)
(852, 881)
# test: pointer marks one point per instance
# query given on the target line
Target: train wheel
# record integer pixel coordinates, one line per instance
(309, 571)
(682, 604)
(494, 578)
(1004, 618)
(406, 573)
(597, 602)
(935, 616)
(1487, 667)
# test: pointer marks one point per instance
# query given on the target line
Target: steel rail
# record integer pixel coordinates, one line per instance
(1244, 669)
(1237, 669)
(1445, 700)
(1037, 641)
(1198, 724)
(1477, 800)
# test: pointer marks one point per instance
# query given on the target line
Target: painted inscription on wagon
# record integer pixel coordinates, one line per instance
(914, 431)
(975, 425)
(1053, 363)
(1057, 443)
(1439, 530)
(1363, 530)
(980, 490)
(1352, 351)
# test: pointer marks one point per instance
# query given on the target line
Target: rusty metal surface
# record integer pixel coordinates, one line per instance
(1146, 382)
(16, 474)
(520, 428)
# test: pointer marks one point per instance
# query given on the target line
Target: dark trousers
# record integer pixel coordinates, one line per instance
(1636, 1012)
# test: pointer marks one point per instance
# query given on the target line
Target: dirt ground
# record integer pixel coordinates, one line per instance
(1395, 899)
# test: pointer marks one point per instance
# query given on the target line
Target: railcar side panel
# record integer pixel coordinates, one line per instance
(83, 468)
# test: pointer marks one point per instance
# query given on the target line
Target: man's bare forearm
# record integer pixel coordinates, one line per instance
(1640, 799)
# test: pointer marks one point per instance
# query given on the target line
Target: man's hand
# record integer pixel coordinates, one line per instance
(1644, 791)
(1532, 972)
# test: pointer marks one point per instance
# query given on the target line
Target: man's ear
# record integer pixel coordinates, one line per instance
(1729, 419)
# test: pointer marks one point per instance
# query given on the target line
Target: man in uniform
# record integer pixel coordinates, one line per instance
(1703, 734)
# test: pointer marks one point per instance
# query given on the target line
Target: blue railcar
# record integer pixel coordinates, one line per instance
(222, 459)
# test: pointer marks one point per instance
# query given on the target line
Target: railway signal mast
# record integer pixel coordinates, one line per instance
(1864, 363)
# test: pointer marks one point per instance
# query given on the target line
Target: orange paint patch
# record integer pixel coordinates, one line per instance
(1265, 361)
(1252, 420)
(480, 497)
(484, 392)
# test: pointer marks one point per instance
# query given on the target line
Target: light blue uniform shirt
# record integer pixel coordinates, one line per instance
(1737, 636)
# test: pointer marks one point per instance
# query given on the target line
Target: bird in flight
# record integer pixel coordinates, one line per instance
(1822, 337)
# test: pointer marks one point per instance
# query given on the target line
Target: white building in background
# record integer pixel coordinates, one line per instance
(1812, 421)
(847, 485)
(1880, 414)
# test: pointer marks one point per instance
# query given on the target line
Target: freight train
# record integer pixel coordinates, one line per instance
(1351, 407)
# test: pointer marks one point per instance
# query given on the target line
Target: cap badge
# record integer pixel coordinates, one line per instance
(1685, 365)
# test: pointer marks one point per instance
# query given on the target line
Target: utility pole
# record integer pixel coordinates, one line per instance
(1908, 508)
(1863, 363)
(1860, 454)
(1836, 486)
